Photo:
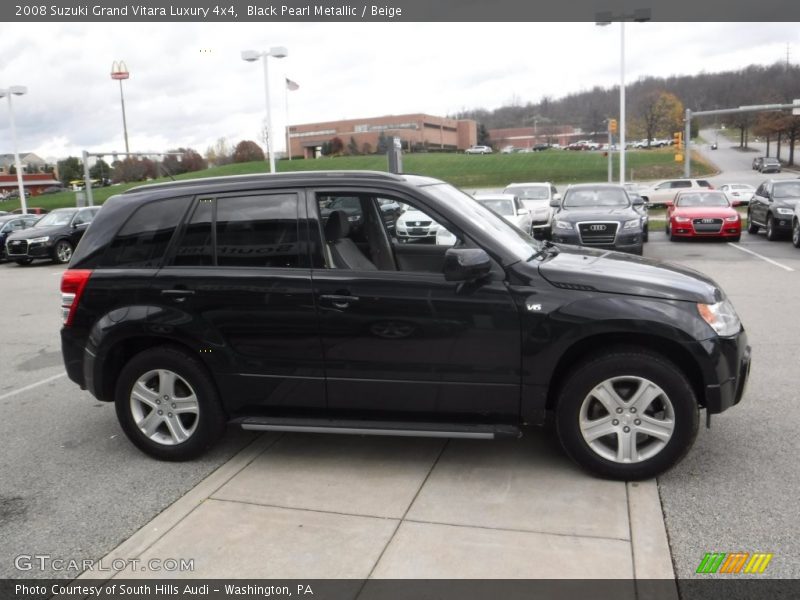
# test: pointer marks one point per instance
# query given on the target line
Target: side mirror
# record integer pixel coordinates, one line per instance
(557, 196)
(638, 201)
(466, 264)
(555, 202)
(523, 211)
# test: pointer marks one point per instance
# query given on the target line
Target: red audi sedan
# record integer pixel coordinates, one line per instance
(703, 214)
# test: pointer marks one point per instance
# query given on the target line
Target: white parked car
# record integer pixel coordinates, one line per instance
(478, 150)
(663, 193)
(536, 197)
(738, 194)
(510, 208)
(415, 226)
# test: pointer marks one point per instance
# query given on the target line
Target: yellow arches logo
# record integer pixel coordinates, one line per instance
(734, 562)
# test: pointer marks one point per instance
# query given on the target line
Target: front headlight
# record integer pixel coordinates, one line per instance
(563, 225)
(732, 218)
(682, 219)
(39, 240)
(721, 317)
(632, 224)
(784, 211)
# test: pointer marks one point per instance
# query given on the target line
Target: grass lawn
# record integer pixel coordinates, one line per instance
(464, 171)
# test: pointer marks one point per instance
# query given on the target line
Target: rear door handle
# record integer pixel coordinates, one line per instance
(339, 301)
(177, 295)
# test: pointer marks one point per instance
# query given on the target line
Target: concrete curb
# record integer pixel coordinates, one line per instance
(162, 523)
(652, 558)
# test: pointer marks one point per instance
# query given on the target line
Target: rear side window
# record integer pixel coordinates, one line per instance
(681, 184)
(143, 239)
(242, 231)
(703, 183)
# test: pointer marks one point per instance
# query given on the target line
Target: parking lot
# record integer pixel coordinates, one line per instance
(73, 486)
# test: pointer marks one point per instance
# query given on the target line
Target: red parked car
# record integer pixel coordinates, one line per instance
(703, 214)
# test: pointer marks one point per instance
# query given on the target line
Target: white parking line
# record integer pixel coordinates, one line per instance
(31, 386)
(764, 258)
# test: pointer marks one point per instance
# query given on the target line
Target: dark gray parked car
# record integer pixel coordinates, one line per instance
(599, 215)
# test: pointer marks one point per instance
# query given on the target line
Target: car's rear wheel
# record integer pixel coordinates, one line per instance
(751, 227)
(796, 233)
(62, 252)
(772, 233)
(627, 414)
(168, 405)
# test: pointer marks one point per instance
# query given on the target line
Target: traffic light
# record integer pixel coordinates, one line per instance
(677, 140)
(612, 125)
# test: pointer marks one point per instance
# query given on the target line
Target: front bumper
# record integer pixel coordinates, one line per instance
(730, 367)
(624, 242)
(16, 251)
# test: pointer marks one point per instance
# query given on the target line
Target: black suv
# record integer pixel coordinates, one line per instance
(53, 237)
(196, 303)
(600, 216)
(772, 207)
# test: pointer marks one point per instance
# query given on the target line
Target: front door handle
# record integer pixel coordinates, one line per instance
(339, 300)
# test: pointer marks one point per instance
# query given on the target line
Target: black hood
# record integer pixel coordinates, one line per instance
(35, 232)
(617, 273)
(597, 213)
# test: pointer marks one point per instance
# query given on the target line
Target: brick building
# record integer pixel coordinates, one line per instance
(527, 137)
(414, 130)
(35, 177)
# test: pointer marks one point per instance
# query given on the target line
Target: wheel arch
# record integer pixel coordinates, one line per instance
(123, 350)
(607, 342)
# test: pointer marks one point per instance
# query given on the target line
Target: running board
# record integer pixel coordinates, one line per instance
(404, 429)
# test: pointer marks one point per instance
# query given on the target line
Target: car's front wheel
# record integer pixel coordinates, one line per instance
(751, 227)
(645, 233)
(796, 233)
(167, 404)
(772, 233)
(627, 414)
(62, 252)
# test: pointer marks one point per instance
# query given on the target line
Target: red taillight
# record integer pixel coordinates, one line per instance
(72, 283)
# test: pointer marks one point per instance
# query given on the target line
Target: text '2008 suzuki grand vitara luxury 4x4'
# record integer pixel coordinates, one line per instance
(244, 299)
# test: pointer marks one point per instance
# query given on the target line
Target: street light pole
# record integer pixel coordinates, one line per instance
(119, 71)
(605, 18)
(16, 90)
(251, 56)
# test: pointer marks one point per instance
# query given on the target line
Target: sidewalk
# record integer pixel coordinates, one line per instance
(328, 506)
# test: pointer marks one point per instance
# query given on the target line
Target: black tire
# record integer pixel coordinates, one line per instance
(646, 233)
(628, 367)
(62, 252)
(206, 426)
(796, 234)
(772, 235)
(23, 261)
(738, 238)
(751, 227)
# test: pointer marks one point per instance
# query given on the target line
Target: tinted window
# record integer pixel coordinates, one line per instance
(258, 231)
(143, 239)
(196, 247)
(681, 184)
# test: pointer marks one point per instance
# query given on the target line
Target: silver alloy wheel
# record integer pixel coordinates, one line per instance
(796, 234)
(63, 251)
(770, 228)
(164, 407)
(627, 419)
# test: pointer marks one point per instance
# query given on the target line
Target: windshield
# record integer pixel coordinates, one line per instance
(537, 192)
(501, 207)
(578, 198)
(58, 217)
(521, 244)
(787, 189)
(702, 199)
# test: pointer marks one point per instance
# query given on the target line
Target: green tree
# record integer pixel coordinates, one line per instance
(483, 136)
(352, 146)
(69, 169)
(100, 170)
(661, 114)
(383, 143)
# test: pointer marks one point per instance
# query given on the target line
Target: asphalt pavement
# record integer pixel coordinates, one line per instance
(737, 490)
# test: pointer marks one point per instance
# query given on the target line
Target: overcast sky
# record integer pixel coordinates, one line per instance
(189, 86)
